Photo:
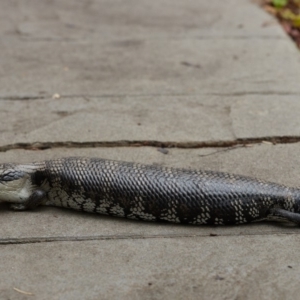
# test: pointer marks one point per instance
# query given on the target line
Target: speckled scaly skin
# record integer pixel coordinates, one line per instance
(147, 192)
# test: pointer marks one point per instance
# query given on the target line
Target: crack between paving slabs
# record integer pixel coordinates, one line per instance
(153, 143)
(233, 94)
(33, 240)
(159, 38)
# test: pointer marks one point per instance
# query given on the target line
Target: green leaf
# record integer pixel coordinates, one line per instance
(280, 3)
(296, 21)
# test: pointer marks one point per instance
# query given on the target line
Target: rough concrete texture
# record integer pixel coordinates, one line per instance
(189, 268)
(148, 118)
(187, 72)
(148, 67)
(137, 48)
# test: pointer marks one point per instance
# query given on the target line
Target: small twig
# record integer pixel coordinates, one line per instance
(22, 292)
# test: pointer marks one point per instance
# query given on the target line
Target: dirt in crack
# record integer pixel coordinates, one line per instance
(152, 143)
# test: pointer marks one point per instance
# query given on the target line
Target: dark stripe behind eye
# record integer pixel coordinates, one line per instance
(11, 176)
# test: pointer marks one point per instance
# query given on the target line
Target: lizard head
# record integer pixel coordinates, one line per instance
(15, 183)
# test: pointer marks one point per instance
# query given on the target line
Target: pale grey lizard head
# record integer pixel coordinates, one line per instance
(15, 183)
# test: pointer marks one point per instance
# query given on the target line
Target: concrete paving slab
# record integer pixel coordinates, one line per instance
(189, 268)
(272, 163)
(134, 19)
(113, 119)
(265, 116)
(184, 66)
(159, 118)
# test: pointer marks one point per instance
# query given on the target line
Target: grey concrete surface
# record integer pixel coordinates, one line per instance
(133, 48)
(168, 268)
(160, 118)
(148, 67)
(166, 71)
(86, 20)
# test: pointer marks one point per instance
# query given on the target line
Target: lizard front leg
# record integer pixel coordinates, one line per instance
(34, 200)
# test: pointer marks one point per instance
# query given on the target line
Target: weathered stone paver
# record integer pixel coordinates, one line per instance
(196, 118)
(157, 268)
(137, 48)
(148, 67)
